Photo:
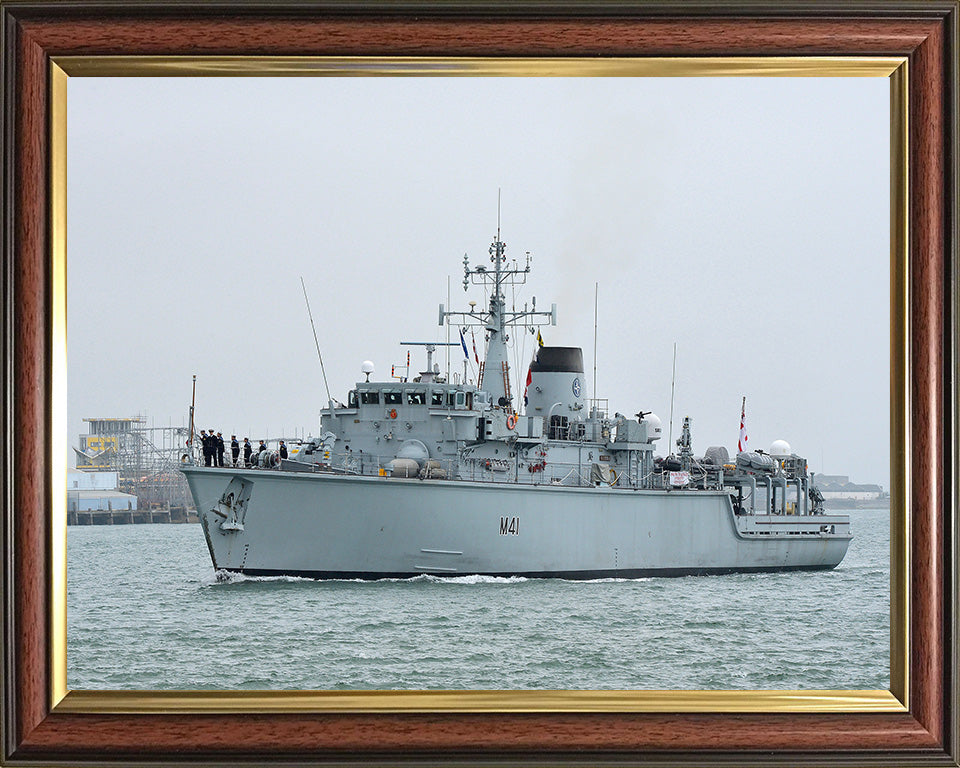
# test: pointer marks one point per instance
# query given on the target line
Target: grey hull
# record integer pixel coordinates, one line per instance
(335, 526)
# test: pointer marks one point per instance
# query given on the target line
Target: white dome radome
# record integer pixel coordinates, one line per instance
(654, 427)
(780, 448)
(366, 367)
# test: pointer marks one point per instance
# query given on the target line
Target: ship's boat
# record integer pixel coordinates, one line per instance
(442, 475)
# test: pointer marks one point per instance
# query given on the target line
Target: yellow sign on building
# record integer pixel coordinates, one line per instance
(98, 444)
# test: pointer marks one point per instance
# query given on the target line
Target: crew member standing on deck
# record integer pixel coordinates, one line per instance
(220, 449)
(283, 450)
(205, 442)
(247, 450)
(234, 449)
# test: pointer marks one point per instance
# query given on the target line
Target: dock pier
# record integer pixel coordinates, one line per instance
(174, 514)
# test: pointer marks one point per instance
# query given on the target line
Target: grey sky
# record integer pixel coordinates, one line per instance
(745, 219)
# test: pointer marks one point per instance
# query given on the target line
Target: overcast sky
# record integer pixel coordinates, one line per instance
(745, 219)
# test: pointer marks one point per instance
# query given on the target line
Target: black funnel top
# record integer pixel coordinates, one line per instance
(558, 360)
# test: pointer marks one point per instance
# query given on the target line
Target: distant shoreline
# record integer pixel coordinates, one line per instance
(883, 503)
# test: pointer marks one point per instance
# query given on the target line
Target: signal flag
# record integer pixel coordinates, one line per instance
(742, 445)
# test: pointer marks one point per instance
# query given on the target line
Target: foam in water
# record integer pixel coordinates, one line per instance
(478, 579)
(608, 580)
(209, 578)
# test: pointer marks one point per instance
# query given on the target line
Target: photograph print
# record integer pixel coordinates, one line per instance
(478, 383)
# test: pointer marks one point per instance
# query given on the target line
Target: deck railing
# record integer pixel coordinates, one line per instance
(515, 470)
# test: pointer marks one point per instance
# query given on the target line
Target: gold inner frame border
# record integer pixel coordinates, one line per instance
(894, 700)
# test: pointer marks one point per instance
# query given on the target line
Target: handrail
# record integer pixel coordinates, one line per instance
(504, 471)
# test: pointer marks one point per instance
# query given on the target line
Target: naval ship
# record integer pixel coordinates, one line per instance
(425, 475)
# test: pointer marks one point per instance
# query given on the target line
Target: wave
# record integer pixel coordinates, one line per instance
(211, 578)
(475, 579)
(608, 580)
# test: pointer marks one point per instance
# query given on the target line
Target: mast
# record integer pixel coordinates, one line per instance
(193, 402)
(496, 365)
(496, 320)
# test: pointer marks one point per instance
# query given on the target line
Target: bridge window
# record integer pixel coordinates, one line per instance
(451, 396)
(369, 398)
(392, 397)
(416, 397)
(460, 399)
(352, 398)
(436, 397)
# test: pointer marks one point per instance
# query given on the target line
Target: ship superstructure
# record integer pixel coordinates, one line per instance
(423, 475)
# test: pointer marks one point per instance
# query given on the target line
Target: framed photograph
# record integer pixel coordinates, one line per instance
(569, 47)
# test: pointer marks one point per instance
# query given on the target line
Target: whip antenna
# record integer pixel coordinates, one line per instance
(596, 306)
(673, 382)
(315, 340)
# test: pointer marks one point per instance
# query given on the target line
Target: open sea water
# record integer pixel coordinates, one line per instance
(145, 611)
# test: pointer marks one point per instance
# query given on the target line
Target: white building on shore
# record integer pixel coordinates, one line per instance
(840, 487)
(97, 491)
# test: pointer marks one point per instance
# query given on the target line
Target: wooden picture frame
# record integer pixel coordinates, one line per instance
(40, 726)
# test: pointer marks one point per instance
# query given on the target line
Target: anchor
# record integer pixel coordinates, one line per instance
(232, 506)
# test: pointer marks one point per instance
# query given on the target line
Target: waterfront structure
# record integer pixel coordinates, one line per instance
(836, 487)
(144, 458)
(97, 491)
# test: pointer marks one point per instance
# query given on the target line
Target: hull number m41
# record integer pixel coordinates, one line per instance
(509, 526)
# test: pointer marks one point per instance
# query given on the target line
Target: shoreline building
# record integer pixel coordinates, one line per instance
(839, 487)
(97, 492)
(94, 498)
(144, 458)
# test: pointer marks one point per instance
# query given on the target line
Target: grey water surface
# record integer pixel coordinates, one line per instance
(145, 611)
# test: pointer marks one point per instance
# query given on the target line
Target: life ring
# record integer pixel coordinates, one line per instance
(393, 413)
(511, 421)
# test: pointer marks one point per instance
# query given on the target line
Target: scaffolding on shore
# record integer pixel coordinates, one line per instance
(145, 458)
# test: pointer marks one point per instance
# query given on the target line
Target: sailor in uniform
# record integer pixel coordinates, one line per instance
(207, 452)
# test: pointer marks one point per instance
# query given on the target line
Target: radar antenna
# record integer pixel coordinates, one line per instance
(431, 347)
